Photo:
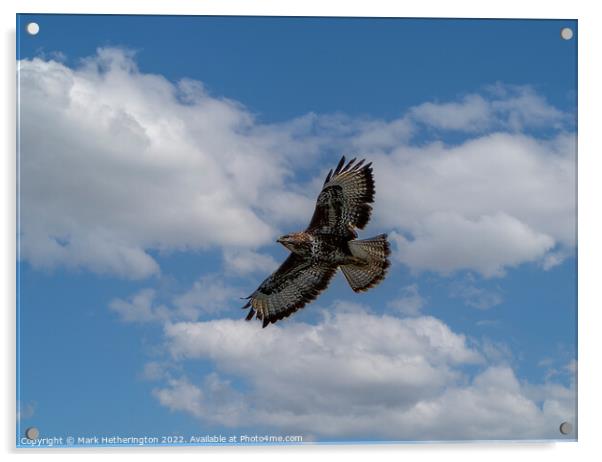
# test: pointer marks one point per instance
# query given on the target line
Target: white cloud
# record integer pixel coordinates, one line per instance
(215, 397)
(140, 307)
(448, 242)
(504, 107)
(153, 371)
(209, 295)
(357, 374)
(248, 262)
(553, 259)
(519, 106)
(487, 204)
(382, 135)
(476, 297)
(558, 366)
(115, 163)
(472, 114)
(409, 302)
(496, 352)
(181, 395)
(374, 355)
(496, 406)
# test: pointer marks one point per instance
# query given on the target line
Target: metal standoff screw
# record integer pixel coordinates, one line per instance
(32, 433)
(566, 428)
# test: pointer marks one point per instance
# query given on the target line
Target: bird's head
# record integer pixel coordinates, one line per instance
(296, 242)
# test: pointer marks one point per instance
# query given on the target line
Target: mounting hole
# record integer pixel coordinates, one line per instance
(566, 33)
(32, 28)
(32, 433)
(566, 428)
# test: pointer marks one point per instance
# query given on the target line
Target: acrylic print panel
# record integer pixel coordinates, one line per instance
(165, 164)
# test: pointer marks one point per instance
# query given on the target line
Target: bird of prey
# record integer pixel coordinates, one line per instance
(329, 242)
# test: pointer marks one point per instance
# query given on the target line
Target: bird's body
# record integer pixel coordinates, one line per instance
(328, 243)
(319, 247)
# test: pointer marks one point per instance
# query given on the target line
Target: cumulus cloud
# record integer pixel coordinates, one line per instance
(488, 204)
(115, 162)
(448, 242)
(356, 374)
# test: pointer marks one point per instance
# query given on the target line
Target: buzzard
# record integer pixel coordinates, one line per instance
(329, 242)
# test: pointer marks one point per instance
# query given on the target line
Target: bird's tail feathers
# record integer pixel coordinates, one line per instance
(373, 254)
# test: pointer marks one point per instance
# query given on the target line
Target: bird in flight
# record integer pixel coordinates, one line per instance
(329, 242)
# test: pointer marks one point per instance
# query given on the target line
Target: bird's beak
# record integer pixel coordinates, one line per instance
(281, 240)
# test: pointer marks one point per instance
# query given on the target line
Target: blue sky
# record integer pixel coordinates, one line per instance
(157, 169)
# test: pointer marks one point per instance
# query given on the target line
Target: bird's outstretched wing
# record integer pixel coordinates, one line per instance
(344, 202)
(297, 282)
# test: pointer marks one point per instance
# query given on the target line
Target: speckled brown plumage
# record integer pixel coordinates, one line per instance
(328, 242)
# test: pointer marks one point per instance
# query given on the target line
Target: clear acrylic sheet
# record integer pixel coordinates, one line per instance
(161, 157)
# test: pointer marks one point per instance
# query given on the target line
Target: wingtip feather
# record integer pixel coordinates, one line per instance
(340, 165)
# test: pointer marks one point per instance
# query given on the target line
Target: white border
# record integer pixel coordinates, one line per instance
(590, 303)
